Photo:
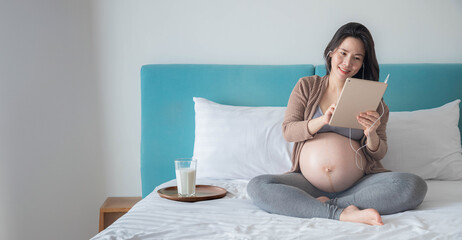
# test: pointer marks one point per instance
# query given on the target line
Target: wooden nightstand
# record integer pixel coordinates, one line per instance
(114, 208)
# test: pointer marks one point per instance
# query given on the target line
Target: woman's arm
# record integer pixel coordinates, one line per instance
(295, 128)
(376, 141)
(373, 141)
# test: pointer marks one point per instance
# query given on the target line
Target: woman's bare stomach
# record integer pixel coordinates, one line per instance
(328, 162)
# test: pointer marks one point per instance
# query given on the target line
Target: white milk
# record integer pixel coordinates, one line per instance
(186, 181)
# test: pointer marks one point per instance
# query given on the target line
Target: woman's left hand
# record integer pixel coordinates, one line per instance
(366, 119)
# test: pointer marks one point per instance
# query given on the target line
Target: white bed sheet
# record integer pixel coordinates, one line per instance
(235, 217)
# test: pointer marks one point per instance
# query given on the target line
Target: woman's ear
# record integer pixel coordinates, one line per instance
(329, 54)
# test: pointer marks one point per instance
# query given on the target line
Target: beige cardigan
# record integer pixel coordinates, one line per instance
(303, 101)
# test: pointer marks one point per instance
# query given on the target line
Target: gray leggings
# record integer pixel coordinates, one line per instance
(292, 195)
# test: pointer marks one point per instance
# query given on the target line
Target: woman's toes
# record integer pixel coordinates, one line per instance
(368, 216)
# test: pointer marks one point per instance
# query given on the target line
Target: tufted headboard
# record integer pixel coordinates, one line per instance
(167, 108)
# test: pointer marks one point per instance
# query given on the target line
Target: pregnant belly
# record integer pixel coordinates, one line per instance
(328, 162)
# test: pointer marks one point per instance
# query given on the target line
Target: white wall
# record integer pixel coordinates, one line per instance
(70, 88)
(51, 171)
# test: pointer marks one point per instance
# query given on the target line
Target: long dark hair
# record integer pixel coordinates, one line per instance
(358, 31)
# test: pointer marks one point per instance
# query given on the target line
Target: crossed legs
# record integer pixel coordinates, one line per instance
(381, 193)
(290, 194)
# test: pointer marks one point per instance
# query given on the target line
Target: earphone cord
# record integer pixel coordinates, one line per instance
(360, 166)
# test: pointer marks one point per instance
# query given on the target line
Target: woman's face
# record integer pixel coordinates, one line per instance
(347, 59)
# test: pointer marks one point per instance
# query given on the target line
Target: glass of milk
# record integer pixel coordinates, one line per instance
(185, 169)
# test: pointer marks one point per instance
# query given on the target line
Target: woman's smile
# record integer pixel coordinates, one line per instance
(344, 71)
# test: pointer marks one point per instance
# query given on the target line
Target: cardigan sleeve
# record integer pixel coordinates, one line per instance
(381, 132)
(295, 127)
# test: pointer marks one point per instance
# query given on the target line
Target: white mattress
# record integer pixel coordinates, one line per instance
(235, 217)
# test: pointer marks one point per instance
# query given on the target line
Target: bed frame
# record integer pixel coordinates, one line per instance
(167, 108)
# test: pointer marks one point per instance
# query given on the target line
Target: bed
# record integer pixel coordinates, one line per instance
(421, 97)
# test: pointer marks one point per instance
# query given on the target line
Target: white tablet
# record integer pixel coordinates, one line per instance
(358, 95)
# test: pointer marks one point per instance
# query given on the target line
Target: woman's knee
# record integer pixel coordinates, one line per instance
(258, 184)
(413, 188)
(262, 186)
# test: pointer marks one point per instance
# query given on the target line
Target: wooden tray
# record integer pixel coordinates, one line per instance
(203, 192)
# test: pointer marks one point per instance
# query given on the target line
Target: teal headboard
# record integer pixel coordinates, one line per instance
(167, 108)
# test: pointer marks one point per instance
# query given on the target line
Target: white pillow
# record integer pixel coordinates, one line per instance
(234, 142)
(425, 142)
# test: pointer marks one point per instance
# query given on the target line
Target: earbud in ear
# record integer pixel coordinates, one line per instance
(328, 54)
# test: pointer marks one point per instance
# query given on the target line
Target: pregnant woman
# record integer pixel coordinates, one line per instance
(336, 172)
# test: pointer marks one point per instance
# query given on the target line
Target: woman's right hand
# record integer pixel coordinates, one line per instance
(315, 124)
(328, 114)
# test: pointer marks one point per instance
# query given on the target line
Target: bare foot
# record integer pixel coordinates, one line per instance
(323, 199)
(368, 216)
